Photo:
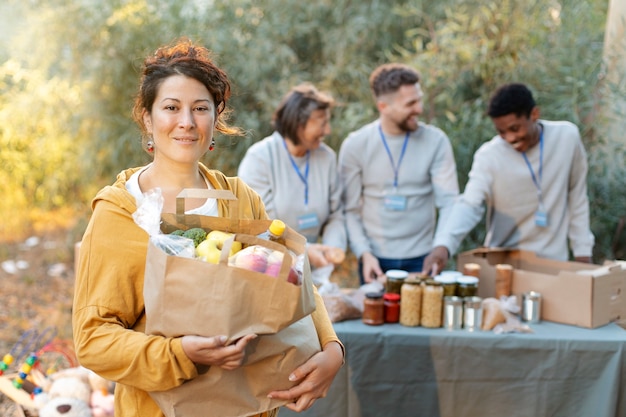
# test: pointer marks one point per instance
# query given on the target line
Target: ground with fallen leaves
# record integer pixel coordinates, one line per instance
(36, 289)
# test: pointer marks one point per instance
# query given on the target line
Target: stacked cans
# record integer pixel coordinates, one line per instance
(462, 313)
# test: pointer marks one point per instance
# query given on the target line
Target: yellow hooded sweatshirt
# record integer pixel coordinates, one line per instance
(108, 313)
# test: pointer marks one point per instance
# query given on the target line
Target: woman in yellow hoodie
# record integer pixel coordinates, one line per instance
(182, 100)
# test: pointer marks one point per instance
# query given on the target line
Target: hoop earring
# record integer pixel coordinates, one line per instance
(212, 145)
(150, 146)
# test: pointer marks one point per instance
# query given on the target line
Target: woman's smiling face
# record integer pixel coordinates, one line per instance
(182, 120)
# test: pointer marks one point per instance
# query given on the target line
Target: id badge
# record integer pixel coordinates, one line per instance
(541, 218)
(395, 202)
(308, 221)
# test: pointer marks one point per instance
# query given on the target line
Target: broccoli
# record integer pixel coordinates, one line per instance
(178, 232)
(196, 234)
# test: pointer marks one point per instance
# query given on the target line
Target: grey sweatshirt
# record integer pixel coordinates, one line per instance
(501, 180)
(427, 179)
(266, 168)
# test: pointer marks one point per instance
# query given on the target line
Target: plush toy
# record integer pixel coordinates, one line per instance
(75, 392)
(102, 404)
(69, 396)
(102, 399)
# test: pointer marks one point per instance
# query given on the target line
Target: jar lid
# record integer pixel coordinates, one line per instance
(446, 279)
(432, 282)
(396, 274)
(413, 281)
(391, 296)
(374, 295)
(467, 279)
(422, 277)
(451, 273)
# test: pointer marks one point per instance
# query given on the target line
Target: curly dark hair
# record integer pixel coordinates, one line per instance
(511, 98)
(183, 57)
(388, 78)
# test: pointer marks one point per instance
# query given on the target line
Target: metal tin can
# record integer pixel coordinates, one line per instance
(472, 313)
(452, 313)
(531, 307)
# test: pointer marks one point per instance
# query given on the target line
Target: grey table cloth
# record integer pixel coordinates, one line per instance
(558, 370)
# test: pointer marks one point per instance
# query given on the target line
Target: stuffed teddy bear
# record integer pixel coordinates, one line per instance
(75, 392)
(68, 396)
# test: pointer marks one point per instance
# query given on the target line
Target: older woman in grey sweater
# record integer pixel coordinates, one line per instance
(296, 173)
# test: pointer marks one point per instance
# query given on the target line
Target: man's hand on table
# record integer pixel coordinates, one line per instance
(436, 261)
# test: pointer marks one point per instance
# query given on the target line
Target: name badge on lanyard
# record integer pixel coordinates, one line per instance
(541, 215)
(308, 221)
(394, 201)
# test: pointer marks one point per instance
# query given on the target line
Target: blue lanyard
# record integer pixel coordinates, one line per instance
(304, 178)
(395, 167)
(532, 173)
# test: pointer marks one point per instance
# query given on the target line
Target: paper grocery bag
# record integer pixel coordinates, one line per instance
(190, 296)
(243, 391)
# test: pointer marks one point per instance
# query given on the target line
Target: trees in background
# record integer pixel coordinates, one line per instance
(70, 71)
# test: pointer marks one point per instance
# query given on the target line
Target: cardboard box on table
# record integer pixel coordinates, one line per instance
(189, 296)
(575, 293)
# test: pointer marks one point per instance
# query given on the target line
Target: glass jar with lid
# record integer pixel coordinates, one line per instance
(411, 306)
(451, 273)
(467, 286)
(373, 309)
(395, 279)
(448, 282)
(472, 269)
(432, 304)
(392, 307)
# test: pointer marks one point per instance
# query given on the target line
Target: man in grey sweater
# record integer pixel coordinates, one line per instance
(399, 178)
(532, 178)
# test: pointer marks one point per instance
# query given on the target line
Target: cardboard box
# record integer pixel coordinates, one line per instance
(573, 293)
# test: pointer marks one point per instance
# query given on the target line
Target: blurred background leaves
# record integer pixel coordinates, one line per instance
(69, 72)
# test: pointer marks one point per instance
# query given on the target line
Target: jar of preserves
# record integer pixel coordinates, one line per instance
(395, 279)
(472, 269)
(373, 309)
(467, 286)
(504, 280)
(420, 276)
(391, 302)
(448, 282)
(432, 303)
(451, 273)
(411, 305)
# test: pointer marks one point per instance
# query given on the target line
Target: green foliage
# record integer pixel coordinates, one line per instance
(479, 45)
(70, 72)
